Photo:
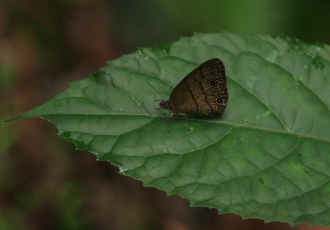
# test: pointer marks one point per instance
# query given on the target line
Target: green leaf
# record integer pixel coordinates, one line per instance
(267, 156)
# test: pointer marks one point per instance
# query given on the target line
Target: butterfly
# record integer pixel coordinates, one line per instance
(203, 92)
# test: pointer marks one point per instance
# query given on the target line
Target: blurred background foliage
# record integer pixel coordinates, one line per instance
(45, 183)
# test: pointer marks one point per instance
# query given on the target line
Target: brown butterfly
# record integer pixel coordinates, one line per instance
(203, 92)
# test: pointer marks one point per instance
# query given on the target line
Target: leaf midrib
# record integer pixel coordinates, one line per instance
(195, 119)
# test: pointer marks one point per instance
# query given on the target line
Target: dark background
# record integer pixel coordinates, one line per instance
(45, 183)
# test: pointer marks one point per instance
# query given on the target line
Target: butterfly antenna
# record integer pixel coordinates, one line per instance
(156, 91)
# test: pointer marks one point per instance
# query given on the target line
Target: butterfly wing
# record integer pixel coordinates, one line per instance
(202, 92)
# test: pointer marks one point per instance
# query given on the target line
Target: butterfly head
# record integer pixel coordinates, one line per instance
(163, 105)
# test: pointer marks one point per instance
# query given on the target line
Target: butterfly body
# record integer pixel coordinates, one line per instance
(202, 92)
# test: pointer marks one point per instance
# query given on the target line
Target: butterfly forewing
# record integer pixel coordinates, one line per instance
(202, 92)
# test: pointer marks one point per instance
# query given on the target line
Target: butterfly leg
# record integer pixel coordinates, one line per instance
(187, 123)
(169, 128)
(182, 114)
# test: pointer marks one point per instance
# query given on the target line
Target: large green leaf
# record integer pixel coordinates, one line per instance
(267, 157)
